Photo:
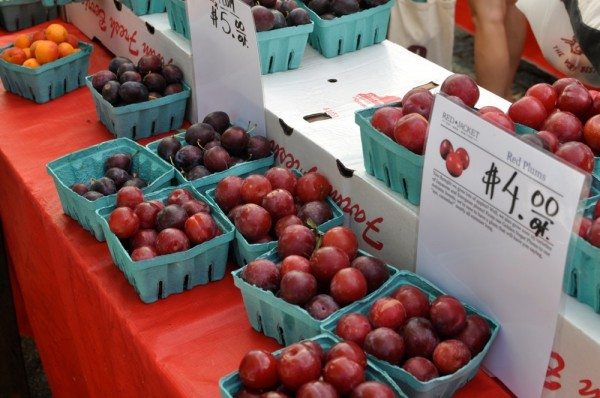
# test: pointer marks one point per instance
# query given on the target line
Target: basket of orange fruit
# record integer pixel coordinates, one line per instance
(44, 65)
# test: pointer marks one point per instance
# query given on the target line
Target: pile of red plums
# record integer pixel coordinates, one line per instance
(262, 206)
(426, 339)
(306, 370)
(320, 279)
(153, 228)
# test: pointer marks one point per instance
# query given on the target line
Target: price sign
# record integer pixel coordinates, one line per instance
(495, 220)
(227, 73)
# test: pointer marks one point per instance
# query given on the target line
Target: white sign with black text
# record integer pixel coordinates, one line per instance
(226, 62)
(495, 220)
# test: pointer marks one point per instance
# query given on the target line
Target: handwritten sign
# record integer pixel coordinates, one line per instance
(226, 65)
(495, 220)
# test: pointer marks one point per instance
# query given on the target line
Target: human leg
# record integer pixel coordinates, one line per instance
(491, 48)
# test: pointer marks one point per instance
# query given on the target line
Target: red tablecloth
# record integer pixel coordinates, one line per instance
(95, 337)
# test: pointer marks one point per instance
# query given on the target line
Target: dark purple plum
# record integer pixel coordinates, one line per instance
(92, 195)
(319, 6)
(328, 16)
(321, 306)
(80, 188)
(219, 120)
(263, 18)
(130, 76)
(114, 64)
(258, 147)
(217, 159)
(168, 147)
(172, 216)
(119, 176)
(104, 185)
(173, 88)
(126, 67)
(200, 134)
(188, 157)
(279, 20)
(172, 74)
(110, 92)
(287, 6)
(155, 82)
(119, 160)
(317, 211)
(152, 95)
(344, 7)
(133, 92)
(235, 140)
(197, 172)
(136, 182)
(99, 79)
(298, 16)
(149, 63)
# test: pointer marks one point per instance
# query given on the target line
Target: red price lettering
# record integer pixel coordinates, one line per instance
(586, 389)
(556, 365)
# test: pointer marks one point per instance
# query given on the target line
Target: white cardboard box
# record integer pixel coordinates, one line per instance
(574, 368)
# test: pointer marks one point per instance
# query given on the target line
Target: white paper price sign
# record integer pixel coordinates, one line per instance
(495, 220)
(226, 65)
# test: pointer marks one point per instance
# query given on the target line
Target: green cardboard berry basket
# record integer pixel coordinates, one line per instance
(144, 7)
(48, 81)
(279, 49)
(282, 49)
(258, 166)
(144, 119)
(443, 386)
(168, 274)
(246, 252)
(88, 163)
(582, 270)
(231, 384)
(21, 14)
(351, 32)
(288, 323)
(400, 169)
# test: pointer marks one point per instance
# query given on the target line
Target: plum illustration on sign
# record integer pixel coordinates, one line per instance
(456, 161)
(227, 73)
(495, 221)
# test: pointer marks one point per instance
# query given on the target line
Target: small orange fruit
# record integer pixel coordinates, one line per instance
(33, 46)
(46, 51)
(65, 49)
(72, 40)
(39, 35)
(27, 52)
(14, 55)
(23, 41)
(31, 63)
(56, 33)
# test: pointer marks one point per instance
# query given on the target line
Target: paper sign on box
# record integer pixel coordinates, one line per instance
(226, 63)
(496, 234)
